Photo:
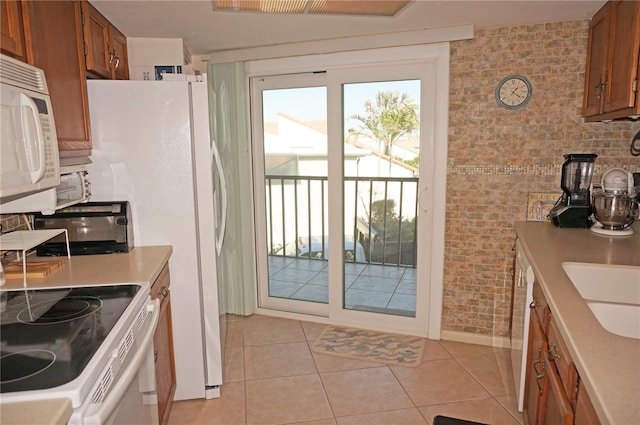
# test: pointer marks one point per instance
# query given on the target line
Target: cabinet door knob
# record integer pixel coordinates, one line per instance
(110, 53)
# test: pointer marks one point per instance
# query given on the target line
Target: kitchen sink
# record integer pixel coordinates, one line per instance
(619, 319)
(612, 292)
(605, 282)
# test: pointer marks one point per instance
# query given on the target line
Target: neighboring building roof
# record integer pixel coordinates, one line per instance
(301, 138)
(310, 140)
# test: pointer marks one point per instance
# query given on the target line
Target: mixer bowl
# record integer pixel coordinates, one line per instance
(613, 210)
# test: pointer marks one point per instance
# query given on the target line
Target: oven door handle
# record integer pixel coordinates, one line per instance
(110, 403)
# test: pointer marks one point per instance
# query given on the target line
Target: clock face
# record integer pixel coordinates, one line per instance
(513, 92)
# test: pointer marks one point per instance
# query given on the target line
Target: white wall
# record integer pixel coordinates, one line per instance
(146, 53)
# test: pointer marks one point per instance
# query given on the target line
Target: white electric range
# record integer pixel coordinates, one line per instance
(90, 344)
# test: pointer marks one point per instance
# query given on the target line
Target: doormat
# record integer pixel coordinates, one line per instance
(445, 420)
(379, 347)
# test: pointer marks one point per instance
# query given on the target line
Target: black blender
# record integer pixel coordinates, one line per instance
(573, 209)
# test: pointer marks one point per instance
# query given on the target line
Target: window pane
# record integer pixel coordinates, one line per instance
(295, 158)
(381, 158)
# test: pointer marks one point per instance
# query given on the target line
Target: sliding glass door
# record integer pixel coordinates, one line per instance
(341, 199)
(292, 191)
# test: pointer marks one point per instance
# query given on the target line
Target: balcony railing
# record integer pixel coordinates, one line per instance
(380, 218)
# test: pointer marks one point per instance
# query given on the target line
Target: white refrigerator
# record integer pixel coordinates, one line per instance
(152, 147)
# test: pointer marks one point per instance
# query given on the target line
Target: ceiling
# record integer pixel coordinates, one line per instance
(205, 30)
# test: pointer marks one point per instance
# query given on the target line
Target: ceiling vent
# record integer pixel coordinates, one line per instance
(315, 7)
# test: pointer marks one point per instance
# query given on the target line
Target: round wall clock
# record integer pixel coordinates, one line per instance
(513, 92)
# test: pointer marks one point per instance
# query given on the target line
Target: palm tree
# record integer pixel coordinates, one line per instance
(392, 116)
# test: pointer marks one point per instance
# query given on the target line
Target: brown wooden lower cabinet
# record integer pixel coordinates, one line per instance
(585, 414)
(536, 384)
(163, 348)
(557, 409)
(554, 393)
(559, 353)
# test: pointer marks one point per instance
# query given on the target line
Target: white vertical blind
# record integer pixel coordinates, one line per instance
(236, 276)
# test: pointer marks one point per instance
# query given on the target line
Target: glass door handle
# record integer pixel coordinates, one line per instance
(421, 197)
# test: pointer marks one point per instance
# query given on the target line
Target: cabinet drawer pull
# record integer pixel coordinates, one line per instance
(162, 292)
(600, 83)
(539, 375)
(554, 352)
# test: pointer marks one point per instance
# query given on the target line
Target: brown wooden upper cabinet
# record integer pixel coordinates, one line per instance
(12, 42)
(611, 79)
(105, 46)
(54, 44)
(70, 41)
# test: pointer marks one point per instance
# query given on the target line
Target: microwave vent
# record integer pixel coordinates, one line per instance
(20, 74)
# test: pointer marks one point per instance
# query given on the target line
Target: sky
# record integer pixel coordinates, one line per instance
(310, 103)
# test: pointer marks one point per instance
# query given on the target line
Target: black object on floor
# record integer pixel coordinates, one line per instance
(445, 420)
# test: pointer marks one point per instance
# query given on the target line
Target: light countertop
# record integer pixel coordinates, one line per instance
(141, 264)
(608, 364)
(52, 412)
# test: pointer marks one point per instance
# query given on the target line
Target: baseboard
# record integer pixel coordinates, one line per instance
(212, 392)
(289, 315)
(469, 338)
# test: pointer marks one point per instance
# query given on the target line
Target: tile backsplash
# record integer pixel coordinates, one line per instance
(11, 222)
(498, 156)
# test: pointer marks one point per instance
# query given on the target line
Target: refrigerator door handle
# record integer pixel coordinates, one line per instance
(223, 186)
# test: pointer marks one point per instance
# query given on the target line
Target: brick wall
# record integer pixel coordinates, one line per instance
(497, 156)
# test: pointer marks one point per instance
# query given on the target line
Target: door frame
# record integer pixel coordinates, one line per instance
(437, 57)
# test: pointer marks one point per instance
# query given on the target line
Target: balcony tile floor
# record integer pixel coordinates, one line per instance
(370, 287)
(272, 377)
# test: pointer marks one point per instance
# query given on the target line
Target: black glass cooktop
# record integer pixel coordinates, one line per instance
(47, 336)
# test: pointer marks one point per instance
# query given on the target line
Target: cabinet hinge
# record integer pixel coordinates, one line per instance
(82, 18)
(86, 49)
(634, 85)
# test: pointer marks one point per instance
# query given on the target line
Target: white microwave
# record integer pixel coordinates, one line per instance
(29, 160)
(74, 188)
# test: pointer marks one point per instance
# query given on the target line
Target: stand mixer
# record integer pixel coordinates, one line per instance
(615, 203)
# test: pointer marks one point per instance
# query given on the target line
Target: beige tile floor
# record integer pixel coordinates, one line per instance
(272, 377)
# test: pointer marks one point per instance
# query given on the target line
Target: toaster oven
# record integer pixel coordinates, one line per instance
(93, 228)
(74, 188)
